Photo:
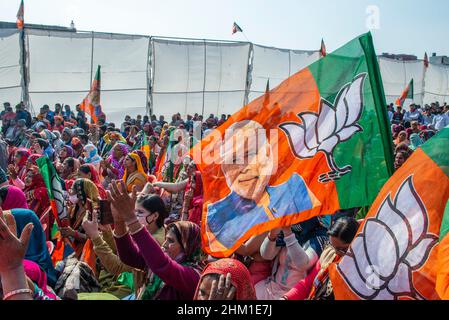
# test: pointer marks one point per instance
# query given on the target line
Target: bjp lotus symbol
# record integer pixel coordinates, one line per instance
(322, 132)
(392, 245)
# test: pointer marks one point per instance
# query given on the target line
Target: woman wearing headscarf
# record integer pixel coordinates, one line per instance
(232, 282)
(77, 147)
(66, 135)
(88, 171)
(39, 286)
(143, 160)
(36, 193)
(84, 199)
(176, 267)
(66, 152)
(415, 141)
(113, 168)
(17, 171)
(91, 156)
(134, 173)
(12, 198)
(402, 138)
(192, 207)
(37, 248)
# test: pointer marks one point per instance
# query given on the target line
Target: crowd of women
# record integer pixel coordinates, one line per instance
(149, 247)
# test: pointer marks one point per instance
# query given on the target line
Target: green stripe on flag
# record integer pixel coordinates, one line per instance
(370, 152)
(437, 148)
(445, 223)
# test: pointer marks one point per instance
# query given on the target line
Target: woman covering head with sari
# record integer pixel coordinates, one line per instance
(84, 198)
(91, 156)
(415, 141)
(232, 282)
(88, 171)
(12, 197)
(37, 248)
(402, 138)
(143, 160)
(36, 193)
(134, 173)
(77, 147)
(18, 169)
(113, 167)
(66, 152)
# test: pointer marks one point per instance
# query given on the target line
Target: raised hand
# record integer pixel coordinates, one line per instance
(122, 201)
(12, 249)
(91, 227)
(223, 290)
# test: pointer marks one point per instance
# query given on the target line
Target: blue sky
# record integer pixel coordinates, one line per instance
(405, 26)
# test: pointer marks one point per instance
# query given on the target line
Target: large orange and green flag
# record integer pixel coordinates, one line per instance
(317, 143)
(91, 104)
(401, 250)
(55, 190)
(407, 94)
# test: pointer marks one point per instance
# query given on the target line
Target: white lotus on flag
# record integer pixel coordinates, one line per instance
(331, 126)
(394, 243)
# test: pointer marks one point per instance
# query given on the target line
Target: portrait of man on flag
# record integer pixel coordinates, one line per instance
(248, 163)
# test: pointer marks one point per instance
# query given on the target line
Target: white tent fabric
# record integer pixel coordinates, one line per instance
(198, 77)
(59, 67)
(396, 75)
(10, 73)
(166, 76)
(437, 84)
(276, 65)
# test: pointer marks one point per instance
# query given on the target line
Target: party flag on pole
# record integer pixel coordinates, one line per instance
(91, 104)
(21, 16)
(236, 28)
(407, 94)
(293, 156)
(55, 190)
(401, 250)
(323, 49)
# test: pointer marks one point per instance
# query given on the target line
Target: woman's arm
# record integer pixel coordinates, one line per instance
(108, 259)
(128, 252)
(268, 249)
(172, 187)
(182, 278)
(300, 258)
(252, 246)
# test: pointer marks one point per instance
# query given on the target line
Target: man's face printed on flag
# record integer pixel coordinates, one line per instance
(247, 159)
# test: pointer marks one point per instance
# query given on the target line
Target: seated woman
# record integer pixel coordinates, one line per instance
(17, 171)
(91, 156)
(151, 213)
(175, 268)
(225, 279)
(12, 198)
(36, 194)
(37, 248)
(317, 285)
(88, 171)
(294, 253)
(113, 168)
(84, 198)
(134, 173)
(69, 170)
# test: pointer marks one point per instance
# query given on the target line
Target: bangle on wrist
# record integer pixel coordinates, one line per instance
(272, 240)
(17, 292)
(137, 231)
